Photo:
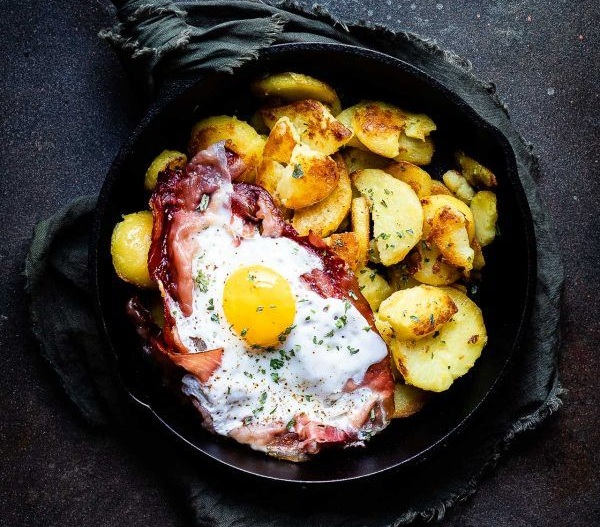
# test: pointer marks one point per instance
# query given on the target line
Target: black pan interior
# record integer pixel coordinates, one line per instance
(508, 277)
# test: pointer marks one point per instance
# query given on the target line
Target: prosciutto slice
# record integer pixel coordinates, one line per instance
(184, 203)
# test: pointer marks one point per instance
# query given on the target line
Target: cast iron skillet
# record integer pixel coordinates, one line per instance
(508, 281)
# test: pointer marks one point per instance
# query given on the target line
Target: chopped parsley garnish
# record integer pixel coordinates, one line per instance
(384, 236)
(297, 172)
(384, 203)
(259, 309)
(352, 294)
(262, 398)
(341, 322)
(352, 350)
(415, 318)
(276, 364)
(214, 317)
(436, 334)
(431, 320)
(367, 329)
(410, 231)
(290, 425)
(211, 305)
(243, 332)
(248, 374)
(330, 334)
(202, 281)
(275, 376)
(247, 420)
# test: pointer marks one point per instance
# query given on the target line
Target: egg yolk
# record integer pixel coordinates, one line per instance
(259, 304)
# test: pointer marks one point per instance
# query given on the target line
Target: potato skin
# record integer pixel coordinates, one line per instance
(474, 172)
(325, 217)
(459, 186)
(485, 214)
(361, 226)
(433, 362)
(408, 400)
(166, 159)
(418, 311)
(129, 246)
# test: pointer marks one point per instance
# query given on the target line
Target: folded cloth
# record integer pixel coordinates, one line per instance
(160, 41)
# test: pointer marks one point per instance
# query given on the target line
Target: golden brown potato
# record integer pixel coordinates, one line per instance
(357, 159)
(373, 286)
(396, 211)
(478, 259)
(435, 361)
(345, 245)
(485, 214)
(399, 277)
(129, 247)
(429, 267)
(166, 159)
(433, 204)
(268, 177)
(449, 233)
(326, 216)
(239, 137)
(437, 187)
(459, 186)
(416, 312)
(418, 125)
(387, 334)
(290, 86)
(308, 178)
(281, 141)
(408, 400)
(378, 126)
(414, 150)
(345, 117)
(317, 127)
(419, 180)
(361, 226)
(475, 173)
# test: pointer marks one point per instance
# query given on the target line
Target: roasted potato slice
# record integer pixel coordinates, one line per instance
(387, 334)
(475, 173)
(239, 137)
(418, 125)
(435, 361)
(414, 150)
(317, 127)
(345, 245)
(458, 185)
(416, 312)
(345, 117)
(166, 159)
(437, 188)
(449, 233)
(326, 216)
(361, 226)
(419, 180)
(429, 267)
(408, 400)
(485, 214)
(357, 159)
(290, 86)
(268, 177)
(281, 142)
(309, 178)
(396, 211)
(433, 204)
(399, 277)
(478, 259)
(378, 125)
(129, 246)
(373, 286)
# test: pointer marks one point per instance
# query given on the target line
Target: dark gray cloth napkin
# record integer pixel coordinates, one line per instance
(161, 41)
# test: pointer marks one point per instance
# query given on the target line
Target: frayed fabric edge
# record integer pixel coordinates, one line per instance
(526, 423)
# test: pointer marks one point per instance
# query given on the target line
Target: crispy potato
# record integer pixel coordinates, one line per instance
(373, 286)
(345, 245)
(357, 159)
(418, 125)
(478, 259)
(325, 217)
(428, 266)
(281, 141)
(166, 159)
(435, 361)
(129, 248)
(437, 187)
(361, 226)
(475, 173)
(419, 180)
(396, 211)
(449, 233)
(378, 126)
(399, 277)
(432, 204)
(291, 86)
(414, 150)
(387, 334)
(317, 127)
(408, 400)
(345, 117)
(268, 176)
(416, 312)
(459, 186)
(239, 137)
(485, 214)
(309, 178)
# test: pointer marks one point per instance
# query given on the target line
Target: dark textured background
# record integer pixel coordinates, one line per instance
(65, 107)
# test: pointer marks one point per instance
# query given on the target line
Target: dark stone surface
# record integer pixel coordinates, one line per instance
(65, 107)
